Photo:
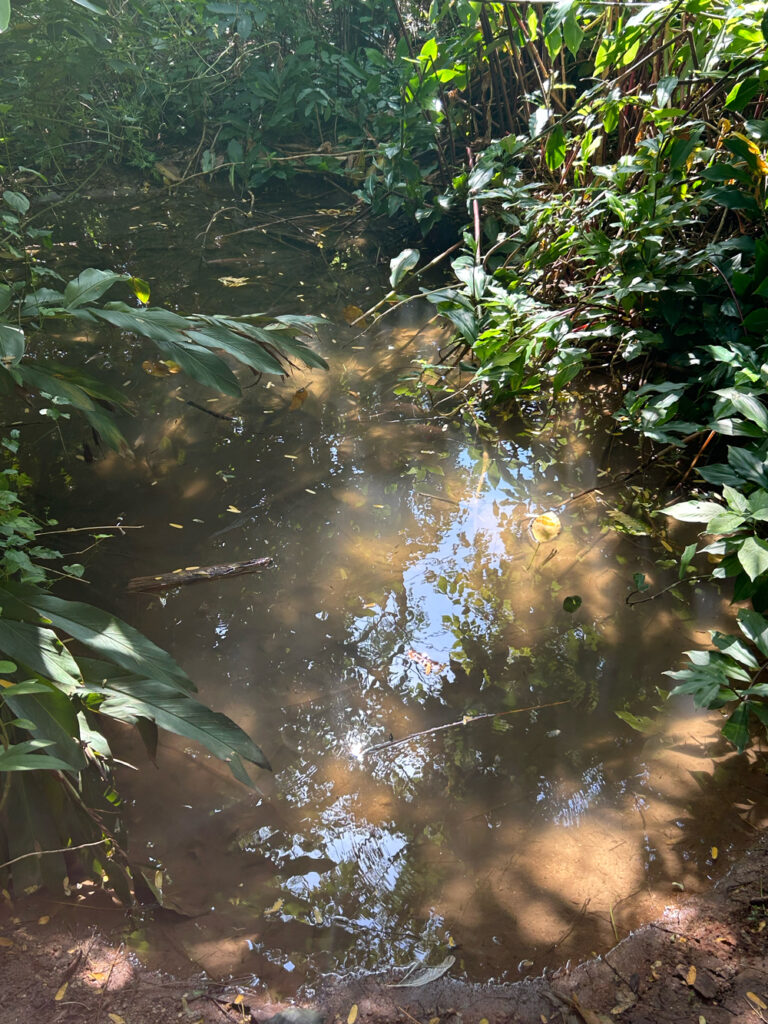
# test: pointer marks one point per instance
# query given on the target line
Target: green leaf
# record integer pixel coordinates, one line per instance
(748, 465)
(140, 289)
(685, 559)
(554, 153)
(7, 667)
(202, 365)
(105, 633)
(5, 14)
(640, 723)
(89, 6)
(11, 344)
(54, 715)
(755, 628)
(401, 264)
(693, 511)
(129, 697)
(572, 603)
(17, 201)
(736, 729)
(572, 33)
(753, 556)
(39, 650)
(735, 649)
(248, 351)
(89, 286)
(21, 757)
(725, 522)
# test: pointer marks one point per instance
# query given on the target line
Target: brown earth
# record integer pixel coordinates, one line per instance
(705, 961)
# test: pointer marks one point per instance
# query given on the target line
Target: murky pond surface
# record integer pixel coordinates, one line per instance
(407, 594)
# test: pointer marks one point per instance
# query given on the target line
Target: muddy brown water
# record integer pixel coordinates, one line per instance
(407, 593)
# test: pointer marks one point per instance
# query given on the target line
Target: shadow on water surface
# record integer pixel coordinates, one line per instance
(407, 593)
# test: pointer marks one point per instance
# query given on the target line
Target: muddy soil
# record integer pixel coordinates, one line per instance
(705, 961)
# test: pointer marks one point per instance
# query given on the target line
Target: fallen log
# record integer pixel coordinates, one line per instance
(196, 574)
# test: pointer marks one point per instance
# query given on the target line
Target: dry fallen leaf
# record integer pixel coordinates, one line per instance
(298, 399)
(714, 852)
(352, 313)
(276, 906)
(62, 992)
(176, 526)
(239, 998)
(232, 508)
(116, 1018)
(757, 1001)
(352, 1015)
(7, 943)
(44, 919)
(690, 977)
(317, 915)
(545, 527)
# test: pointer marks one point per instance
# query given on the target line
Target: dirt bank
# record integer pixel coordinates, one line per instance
(704, 961)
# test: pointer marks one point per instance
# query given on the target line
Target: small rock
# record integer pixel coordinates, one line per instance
(705, 985)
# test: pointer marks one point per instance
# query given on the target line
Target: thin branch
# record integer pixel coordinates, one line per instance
(81, 529)
(41, 853)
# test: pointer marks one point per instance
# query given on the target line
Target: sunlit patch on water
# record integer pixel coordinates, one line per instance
(450, 773)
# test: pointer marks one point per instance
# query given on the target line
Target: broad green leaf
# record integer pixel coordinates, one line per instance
(755, 628)
(748, 404)
(748, 465)
(695, 511)
(572, 33)
(140, 289)
(725, 522)
(248, 351)
(734, 649)
(105, 633)
(640, 723)
(736, 729)
(554, 153)
(54, 715)
(11, 344)
(401, 264)
(39, 650)
(17, 201)
(90, 6)
(202, 365)
(22, 757)
(685, 559)
(5, 14)
(753, 555)
(129, 697)
(89, 286)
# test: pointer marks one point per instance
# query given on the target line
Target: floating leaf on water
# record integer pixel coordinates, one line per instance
(233, 282)
(317, 915)
(757, 1001)
(545, 527)
(714, 853)
(524, 965)
(352, 1015)
(176, 526)
(62, 992)
(116, 1018)
(44, 919)
(640, 723)
(352, 313)
(156, 368)
(430, 974)
(679, 886)
(625, 523)
(690, 977)
(239, 998)
(232, 508)
(571, 604)
(298, 399)
(451, 942)
(276, 907)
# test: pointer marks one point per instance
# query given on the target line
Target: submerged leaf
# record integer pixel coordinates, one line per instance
(430, 974)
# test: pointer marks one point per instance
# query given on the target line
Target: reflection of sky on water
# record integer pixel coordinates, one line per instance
(390, 611)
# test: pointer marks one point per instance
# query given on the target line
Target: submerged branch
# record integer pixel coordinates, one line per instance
(196, 574)
(466, 720)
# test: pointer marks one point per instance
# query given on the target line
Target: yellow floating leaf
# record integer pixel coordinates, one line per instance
(276, 906)
(7, 943)
(690, 977)
(116, 1018)
(317, 915)
(239, 998)
(176, 526)
(62, 992)
(714, 852)
(97, 975)
(44, 919)
(155, 368)
(158, 879)
(233, 282)
(232, 508)
(451, 942)
(352, 1015)
(702, 1019)
(757, 1001)
(545, 527)
(484, 1020)
(352, 313)
(290, 456)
